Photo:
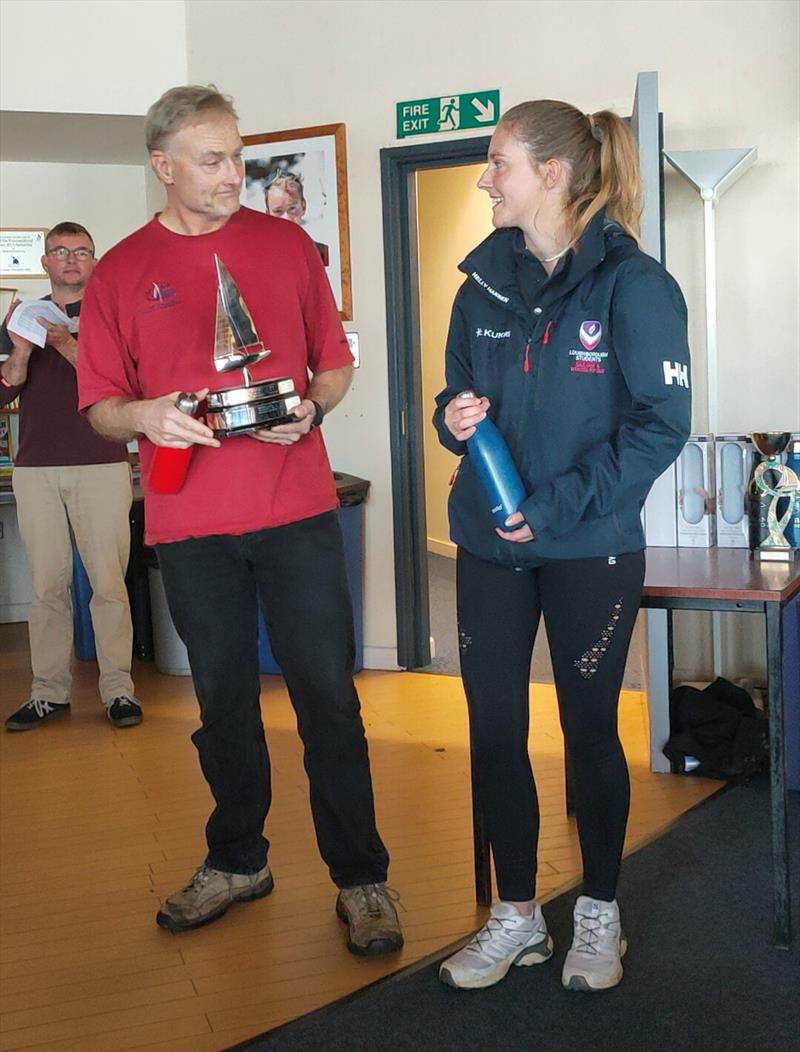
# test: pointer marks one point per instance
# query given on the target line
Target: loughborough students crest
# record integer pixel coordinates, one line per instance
(590, 334)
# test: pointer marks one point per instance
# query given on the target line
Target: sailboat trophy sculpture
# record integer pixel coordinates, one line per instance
(233, 410)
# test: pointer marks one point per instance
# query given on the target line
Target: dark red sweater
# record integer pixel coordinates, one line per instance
(52, 433)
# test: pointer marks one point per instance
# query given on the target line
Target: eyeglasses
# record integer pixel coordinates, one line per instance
(60, 252)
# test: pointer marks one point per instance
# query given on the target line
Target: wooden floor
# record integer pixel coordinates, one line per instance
(97, 823)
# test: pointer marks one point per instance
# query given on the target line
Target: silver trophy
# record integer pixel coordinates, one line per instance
(781, 483)
(256, 404)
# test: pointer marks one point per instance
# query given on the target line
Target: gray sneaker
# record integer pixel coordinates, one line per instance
(368, 911)
(208, 895)
(594, 961)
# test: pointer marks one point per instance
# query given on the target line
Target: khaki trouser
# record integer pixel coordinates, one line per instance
(93, 501)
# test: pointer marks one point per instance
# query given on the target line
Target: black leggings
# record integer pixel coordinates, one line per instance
(589, 608)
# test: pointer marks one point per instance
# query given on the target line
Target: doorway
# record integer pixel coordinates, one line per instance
(410, 407)
(452, 218)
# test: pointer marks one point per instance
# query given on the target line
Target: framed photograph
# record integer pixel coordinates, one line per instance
(21, 251)
(301, 176)
(6, 439)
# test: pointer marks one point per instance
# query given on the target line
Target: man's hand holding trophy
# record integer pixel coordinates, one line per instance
(255, 408)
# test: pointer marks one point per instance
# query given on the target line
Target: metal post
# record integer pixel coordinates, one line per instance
(777, 778)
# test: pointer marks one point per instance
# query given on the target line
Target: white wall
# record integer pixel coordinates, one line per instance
(108, 199)
(90, 56)
(728, 77)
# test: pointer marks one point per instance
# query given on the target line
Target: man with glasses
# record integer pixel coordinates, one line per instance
(68, 482)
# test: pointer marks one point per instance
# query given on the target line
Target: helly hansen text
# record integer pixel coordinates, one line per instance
(675, 373)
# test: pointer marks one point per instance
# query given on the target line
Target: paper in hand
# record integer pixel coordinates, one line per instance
(23, 322)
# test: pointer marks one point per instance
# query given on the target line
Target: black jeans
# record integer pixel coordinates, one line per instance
(297, 572)
(589, 607)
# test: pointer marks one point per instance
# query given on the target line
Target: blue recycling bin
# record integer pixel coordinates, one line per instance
(138, 595)
(83, 634)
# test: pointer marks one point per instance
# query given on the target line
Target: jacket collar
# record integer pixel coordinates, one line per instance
(492, 265)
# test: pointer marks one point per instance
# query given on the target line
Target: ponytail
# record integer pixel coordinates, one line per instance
(619, 185)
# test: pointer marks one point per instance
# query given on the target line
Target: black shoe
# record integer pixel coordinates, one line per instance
(34, 712)
(125, 712)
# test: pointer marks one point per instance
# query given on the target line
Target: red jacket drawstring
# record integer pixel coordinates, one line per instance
(546, 337)
(526, 368)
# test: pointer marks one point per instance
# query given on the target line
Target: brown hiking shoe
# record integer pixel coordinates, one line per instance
(208, 895)
(372, 921)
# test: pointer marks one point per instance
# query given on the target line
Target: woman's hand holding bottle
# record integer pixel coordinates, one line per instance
(463, 413)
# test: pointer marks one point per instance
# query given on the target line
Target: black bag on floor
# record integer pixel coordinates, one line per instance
(719, 726)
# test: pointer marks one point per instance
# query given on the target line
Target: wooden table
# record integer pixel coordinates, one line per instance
(730, 579)
(726, 579)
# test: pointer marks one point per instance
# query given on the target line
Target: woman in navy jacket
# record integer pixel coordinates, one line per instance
(574, 342)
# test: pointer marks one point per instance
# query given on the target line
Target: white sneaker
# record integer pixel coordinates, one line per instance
(594, 961)
(507, 938)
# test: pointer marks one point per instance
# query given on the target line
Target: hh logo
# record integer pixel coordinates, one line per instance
(590, 334)
(675, 373)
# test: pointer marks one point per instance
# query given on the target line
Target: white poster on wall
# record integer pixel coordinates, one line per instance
(21, 251)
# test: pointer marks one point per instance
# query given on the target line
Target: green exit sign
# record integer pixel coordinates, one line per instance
(475, 109)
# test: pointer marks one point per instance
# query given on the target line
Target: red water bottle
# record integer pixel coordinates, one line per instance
(169, 467)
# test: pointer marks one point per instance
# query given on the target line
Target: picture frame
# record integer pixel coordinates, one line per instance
(316, 159)
(6, 439)
(21, 251)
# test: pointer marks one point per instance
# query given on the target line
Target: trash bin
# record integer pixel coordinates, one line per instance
(170, 654)
(352, 492)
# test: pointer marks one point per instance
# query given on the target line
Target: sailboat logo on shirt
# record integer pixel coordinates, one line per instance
(590, 334)
(161, 294)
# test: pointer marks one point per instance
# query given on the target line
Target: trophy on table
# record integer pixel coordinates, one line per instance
(233, 410)
(781, 483)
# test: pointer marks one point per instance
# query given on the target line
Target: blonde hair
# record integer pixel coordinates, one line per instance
(601, 155)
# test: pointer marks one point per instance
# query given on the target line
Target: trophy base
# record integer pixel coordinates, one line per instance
(241, 419)
(776, 555)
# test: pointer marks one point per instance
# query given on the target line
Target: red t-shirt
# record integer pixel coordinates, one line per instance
(147, 329)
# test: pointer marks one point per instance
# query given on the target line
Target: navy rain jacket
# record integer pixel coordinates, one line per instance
(589, 385)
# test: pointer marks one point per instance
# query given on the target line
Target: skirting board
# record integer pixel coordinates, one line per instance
(382, 658)
(445, 548)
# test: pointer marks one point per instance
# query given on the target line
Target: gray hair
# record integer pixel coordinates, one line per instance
(175, 106)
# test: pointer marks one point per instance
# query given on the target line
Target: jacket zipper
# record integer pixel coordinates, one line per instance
(526, 365)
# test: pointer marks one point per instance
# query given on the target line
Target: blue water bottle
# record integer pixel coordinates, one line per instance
(496, 469)
(792, 529)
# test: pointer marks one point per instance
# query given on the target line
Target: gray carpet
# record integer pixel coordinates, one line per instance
(442, 592)
(701, 971)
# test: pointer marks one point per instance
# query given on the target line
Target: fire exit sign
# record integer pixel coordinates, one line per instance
(475, 109)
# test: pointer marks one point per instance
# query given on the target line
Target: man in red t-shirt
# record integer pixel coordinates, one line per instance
(68, 482)
(255, 520)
